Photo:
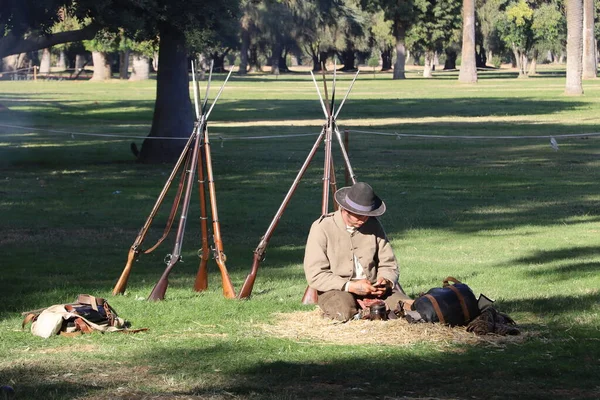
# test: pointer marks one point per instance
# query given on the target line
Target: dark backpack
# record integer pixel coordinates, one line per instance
(452, 304)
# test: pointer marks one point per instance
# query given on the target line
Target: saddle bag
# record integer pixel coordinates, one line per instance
(452, 304)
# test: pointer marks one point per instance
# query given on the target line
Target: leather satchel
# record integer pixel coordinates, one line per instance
(452, 304)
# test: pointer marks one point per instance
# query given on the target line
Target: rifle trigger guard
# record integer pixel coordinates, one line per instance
(167, 259)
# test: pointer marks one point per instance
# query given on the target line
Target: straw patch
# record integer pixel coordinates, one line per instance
(312, 326)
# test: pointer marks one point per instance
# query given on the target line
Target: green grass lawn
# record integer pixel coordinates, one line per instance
(473, 190)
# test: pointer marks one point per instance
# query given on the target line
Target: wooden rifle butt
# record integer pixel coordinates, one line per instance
(201, 283)
(246, 289)
(122, 282)
(228, 289)
(158, 293)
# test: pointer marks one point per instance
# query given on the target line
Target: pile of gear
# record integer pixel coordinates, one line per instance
(86, 315)
(453, 304)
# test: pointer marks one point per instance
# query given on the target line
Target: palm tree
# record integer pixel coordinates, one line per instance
(589, 41)
(468, 67)
(574, 10)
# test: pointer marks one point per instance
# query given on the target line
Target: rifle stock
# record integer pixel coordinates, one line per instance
(201, 282)
(159, 290)
(262, 246)
(122, 282)
(135, 248)
(228, 289)
(246, 290)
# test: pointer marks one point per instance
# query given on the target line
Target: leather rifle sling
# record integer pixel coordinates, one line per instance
(174, 209)
(437, 308)
(461, 299)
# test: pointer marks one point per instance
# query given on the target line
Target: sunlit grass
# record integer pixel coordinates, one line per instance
(513, 218)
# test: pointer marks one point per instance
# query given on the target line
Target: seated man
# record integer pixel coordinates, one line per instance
(348, 256)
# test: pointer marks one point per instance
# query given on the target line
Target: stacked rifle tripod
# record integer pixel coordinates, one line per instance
(196, 155)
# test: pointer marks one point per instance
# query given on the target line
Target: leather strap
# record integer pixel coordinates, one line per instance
(450, 279)
(28, 318)
(461, 299)
(82, 326)
(437, 308)
(174, 208)
(91, 300)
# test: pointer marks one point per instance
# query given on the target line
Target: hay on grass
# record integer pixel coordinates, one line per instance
(312, 326)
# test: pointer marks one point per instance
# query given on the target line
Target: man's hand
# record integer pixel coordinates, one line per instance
(364, 288)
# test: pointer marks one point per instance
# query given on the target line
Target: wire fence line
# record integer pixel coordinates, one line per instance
(397, 135)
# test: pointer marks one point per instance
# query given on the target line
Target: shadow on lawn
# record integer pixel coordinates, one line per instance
(129, 111)
(573, 263)
(533, 370)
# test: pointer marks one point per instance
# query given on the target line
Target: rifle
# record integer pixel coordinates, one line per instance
(135, 250)
(310, 295)
(261, 248)
(201, 151)
(201, 282)
(158, 293)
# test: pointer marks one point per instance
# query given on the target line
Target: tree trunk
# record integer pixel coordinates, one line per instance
(155, 61)
(489, 55)
(253, 61)
(429, 58)
(45, 62)
(218, 61)
(10, 63)
(322, 60)
(315, 62)
(533, 64)
(283, 63)
(62, 60)
(275, 54)
(399, 65)
(589, 41)
(574, 10)
(349, 60)
(451, 57)
(124, 64)
(468, 67)
(173, 115)
(386, 59)
(244, 52)
(79, 62)
(102, 69)
(140, 69)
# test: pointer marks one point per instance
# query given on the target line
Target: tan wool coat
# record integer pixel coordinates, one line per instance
(330, 251)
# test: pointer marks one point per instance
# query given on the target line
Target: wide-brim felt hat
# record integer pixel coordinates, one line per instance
(360, 199)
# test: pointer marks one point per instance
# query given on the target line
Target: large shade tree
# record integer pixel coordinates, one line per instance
(173, 21)
(25, 25)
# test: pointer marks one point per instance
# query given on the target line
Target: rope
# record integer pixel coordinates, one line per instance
(394, 134)
(476, 137)
(116, 135)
